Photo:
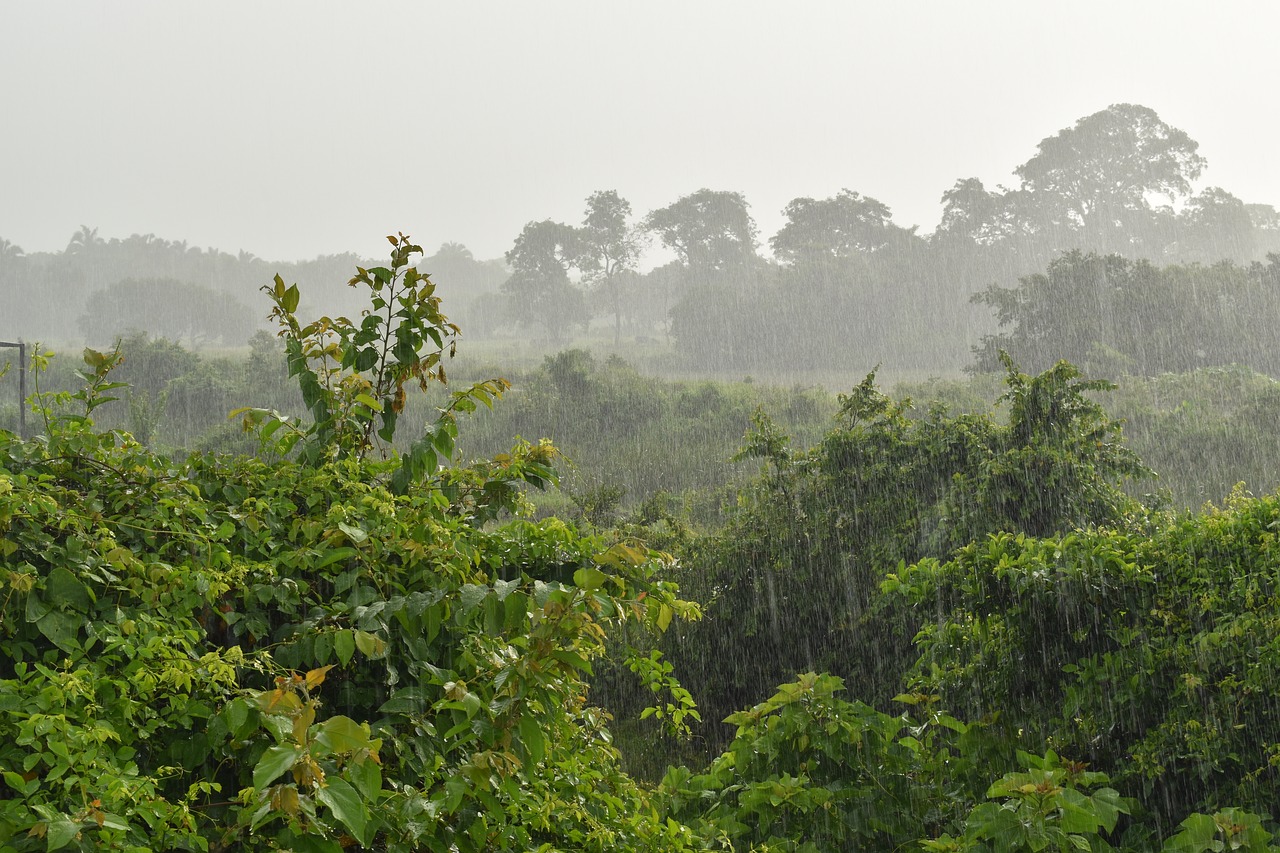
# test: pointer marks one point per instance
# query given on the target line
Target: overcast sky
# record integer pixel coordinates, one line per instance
(293, 129)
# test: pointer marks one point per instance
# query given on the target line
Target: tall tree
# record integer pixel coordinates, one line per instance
(837, 228)
(85, 240)
(1215, 226)
(1095, 179)
(540, 292)
(1266, 227)
(711, 231)
(972, 214)
(609, 245)
(181, 311)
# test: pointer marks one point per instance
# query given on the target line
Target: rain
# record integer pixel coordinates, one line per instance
(710, 426)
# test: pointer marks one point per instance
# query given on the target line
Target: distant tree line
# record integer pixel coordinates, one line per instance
(1122, 316)
(843, 286)
(846, 286)
(110, 287)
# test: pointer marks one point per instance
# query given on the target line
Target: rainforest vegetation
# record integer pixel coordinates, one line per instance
(404, 601)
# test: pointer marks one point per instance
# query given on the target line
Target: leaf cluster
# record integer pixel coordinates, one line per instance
(234, 653)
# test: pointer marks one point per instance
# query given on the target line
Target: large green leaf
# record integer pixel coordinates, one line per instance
(275, 761)
(61, 629)
(344, 644)
(342, 734)
(60, 833)
(345, 803)
(65, 590)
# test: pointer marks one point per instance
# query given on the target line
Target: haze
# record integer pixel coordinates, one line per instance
(296, 129)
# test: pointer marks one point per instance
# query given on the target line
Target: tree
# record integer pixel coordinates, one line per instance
(9, 252)
(711, 231)
(973, 214)
(1215, 226)
(1093, 180)
(1138, 647)
(1055, 466)
(609, 247)
(461, 275)
(227, 653)
(1119, 315)
(166, 308)
(12, 261)
(836, 229)
(791, 581)
(540, 292)
(1266, 227)
(84, 241)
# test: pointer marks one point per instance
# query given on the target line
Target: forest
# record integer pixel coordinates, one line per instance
(551, 570)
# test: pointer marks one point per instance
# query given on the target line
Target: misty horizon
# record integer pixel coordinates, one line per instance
(268, 133)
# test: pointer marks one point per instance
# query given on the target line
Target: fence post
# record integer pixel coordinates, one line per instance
(22, 390)
(22, 385)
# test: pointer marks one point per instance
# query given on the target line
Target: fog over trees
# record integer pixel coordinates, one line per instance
(840, 285)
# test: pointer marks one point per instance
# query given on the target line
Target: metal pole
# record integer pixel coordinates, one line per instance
(22, 390)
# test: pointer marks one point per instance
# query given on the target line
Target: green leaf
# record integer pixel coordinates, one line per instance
(535, 743)
(366, 400)
(371, 645)
(66, 589)
(35, 608)
(443, 441)
(472, 595)
(355, 534)
(236, 715)
(15, 781)
(344, 645)
(1199, 832)
(589, 579)
(276, 760)
(572, 659)
(409, 700)
(665, 614)
(289, 301)
(61, 629)
(60, 833)
(335, 554)
(346, 805)
(367, 776)
(341, 735)
(404, 352)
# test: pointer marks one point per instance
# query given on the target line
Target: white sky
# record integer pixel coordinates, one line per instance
(292, 129)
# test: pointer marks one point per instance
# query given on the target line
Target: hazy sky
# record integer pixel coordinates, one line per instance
(292, 129)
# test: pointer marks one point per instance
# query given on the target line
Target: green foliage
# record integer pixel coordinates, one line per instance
(809, 771)
(1046, 807)
(1118, 315)
(166, 308)
(791, 583)
(540, 294)
(1229, 829)
(1204, 431)
(1145, 651)
(226, 653)
(631, 437)
(1054, 467)
(335, 649)
(351, 376)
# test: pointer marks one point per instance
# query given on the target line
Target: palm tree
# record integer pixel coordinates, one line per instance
(9, 252)
(84, 240)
